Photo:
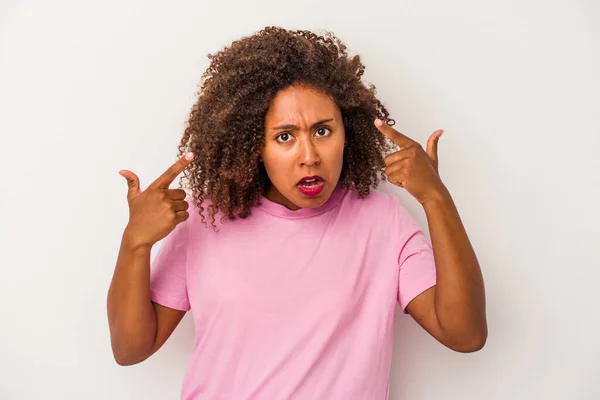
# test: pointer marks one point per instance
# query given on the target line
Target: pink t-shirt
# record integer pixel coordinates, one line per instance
(294, 304)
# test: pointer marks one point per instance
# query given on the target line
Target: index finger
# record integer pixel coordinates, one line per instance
(400, 139)
(170, 174)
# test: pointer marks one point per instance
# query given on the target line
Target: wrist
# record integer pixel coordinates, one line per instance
(132, 241)
(437, 198)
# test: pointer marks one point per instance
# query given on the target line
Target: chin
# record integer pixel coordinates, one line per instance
(311, 203)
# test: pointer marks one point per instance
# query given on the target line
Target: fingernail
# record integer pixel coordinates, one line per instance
(378, 122)
(189, 156)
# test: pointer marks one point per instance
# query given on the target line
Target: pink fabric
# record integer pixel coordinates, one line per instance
(294, 304)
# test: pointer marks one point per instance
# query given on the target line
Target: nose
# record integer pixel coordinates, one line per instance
(309, 155)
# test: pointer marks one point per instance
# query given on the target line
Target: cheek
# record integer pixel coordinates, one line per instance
(277, 164)
(336, 153)
(276, 157)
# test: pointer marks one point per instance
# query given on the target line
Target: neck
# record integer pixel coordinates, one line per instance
(275, 196)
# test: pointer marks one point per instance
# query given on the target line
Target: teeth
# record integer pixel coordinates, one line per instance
(310, 182)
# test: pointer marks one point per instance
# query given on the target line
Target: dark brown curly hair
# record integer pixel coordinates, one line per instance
(225, 130)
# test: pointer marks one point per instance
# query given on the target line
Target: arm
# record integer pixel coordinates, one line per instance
(453, 311)
(138, 327)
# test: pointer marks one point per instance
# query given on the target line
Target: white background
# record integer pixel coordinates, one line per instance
(89, 88)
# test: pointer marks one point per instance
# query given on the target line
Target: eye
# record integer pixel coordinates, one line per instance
(283, 137)
(323, 131)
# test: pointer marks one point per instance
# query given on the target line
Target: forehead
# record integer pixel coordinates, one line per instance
(301, 101)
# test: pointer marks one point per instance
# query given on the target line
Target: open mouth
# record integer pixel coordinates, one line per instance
(312, 186)
(311, 182)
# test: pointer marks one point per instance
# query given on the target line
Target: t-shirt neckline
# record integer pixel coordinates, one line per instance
(282, 211)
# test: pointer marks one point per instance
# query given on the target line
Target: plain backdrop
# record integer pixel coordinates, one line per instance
(91, 87)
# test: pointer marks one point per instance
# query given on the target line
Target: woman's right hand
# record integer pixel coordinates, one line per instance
(156, 211)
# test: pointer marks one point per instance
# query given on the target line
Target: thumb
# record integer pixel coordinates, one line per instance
(432, 145)
(133, 182)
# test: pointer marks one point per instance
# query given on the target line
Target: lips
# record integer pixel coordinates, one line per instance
(308, 179)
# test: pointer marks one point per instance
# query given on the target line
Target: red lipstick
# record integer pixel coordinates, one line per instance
(311, 185)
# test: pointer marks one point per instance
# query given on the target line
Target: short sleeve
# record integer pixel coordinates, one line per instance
(415, 260)
(168, 285)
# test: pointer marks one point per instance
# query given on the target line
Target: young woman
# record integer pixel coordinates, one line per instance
(290, 263)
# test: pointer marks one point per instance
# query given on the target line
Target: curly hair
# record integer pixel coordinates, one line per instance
(225, 130)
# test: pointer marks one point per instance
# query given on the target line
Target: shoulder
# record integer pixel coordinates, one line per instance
(381, 209)
(202, 221)
(376, 212)
(199, 214)
(374, 204)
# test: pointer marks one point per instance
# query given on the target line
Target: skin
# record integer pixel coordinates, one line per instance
(139, 327)
(453, 311)
(304, 136)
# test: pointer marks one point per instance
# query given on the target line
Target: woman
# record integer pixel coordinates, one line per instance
(293, 287)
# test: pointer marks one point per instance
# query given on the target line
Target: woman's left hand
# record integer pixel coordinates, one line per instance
(412, 167)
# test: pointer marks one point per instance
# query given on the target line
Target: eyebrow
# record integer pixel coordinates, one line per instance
(292, 127)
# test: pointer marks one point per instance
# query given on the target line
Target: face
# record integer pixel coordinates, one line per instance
(304, 137)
